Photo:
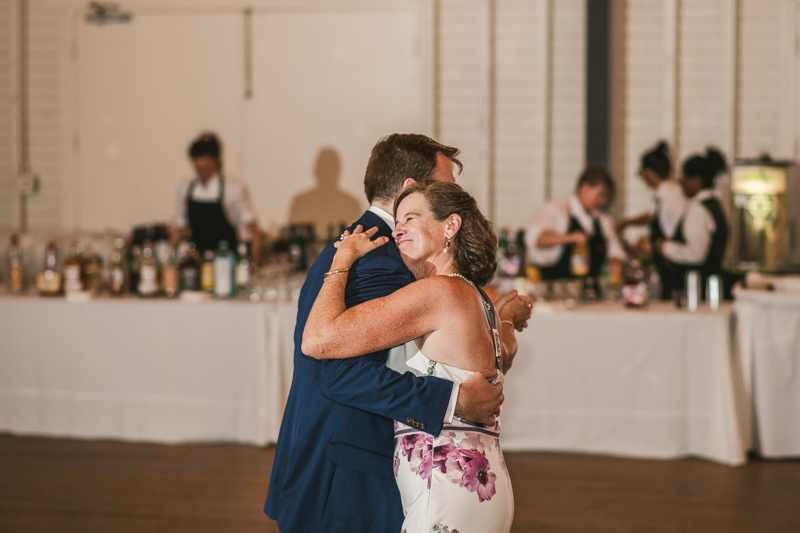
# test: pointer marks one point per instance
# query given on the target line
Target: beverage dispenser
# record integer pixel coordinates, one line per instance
(765, 215)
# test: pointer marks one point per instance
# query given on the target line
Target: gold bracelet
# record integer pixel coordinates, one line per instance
(508, 322)
(332, 272)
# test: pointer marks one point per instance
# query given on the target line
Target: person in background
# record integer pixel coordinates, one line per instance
(213, 207)
(562, 223)
(668, 206)
(702, 231)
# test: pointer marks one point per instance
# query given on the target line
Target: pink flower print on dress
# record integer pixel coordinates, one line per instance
(477, 477)
(408, 443)
(440, 454)
(396, 463)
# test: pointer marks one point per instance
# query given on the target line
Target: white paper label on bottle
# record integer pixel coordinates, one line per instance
(72, 278)
(223, 274)
(242, 275)
(148, 280)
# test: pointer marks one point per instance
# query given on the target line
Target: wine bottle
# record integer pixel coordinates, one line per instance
(117, 273)
(48, 283)
(16, 267)
(223, 271)
(148, 272)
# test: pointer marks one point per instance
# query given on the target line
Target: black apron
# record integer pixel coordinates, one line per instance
(597, 254)
(662, 265)
(208, 222)
(716, 250)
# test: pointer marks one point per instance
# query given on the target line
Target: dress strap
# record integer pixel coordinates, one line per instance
(488, 306)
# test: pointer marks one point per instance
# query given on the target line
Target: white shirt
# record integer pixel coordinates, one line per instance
(554, 216)
(671, 203)
(698, 227)
(236, 200)
(398, 355)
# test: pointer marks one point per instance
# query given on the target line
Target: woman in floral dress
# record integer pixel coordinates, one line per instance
(456, 481)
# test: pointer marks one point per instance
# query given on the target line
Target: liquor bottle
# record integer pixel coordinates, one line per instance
(580, 260)
(92, 271)
(134, 268)
(170, 280)
(148, 272)
(16, 267)
(118, 274)
(297, 248)
(502, 245)
(48, 283)
(243, 273)
(207, 272)
(189, 269)
(73, 270)
(223, 271)
(634, 290)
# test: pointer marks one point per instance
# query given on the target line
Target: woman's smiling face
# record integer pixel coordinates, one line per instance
(419, 236)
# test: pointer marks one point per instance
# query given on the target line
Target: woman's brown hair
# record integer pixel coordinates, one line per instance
(474, 246)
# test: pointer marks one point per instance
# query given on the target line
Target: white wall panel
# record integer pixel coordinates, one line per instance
(8, 219)
(569, 94)
(44, 209)
(647, 90)
(704, 112)
(760, 98)
(521, 109)
(464, 86)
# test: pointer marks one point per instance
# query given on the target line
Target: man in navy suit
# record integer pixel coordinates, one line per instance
(333, 468)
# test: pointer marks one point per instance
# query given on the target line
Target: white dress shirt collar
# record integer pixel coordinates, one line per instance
(586, 220)
(386, 217)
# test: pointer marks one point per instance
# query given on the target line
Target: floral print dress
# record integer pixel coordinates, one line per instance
(456, 482)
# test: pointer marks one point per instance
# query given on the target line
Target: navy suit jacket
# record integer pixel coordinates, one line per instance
(333, 466)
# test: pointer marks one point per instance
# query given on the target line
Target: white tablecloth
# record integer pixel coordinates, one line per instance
(768, 325)
(656, 383)
(152, 370)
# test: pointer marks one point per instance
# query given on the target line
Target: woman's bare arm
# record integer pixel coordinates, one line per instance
(335, 332)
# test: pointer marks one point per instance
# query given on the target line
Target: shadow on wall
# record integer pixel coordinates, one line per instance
(325, 204)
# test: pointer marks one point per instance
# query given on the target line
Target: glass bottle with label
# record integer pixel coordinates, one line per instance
(207, 272)
(134, 265)
(148, 272)
(189, 269)
(73, 270)
(117, 272)
(170, 279)
(223, 271)
(93, 271)
(579, 261)
(243, 273)
(48, 283)
(16, 267)
(634, 290)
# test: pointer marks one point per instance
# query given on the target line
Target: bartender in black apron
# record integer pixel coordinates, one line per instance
(207, 221)
(702, 233)
(669, 205)
(565, 222)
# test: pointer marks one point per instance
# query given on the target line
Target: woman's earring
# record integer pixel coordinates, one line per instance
(447, 246)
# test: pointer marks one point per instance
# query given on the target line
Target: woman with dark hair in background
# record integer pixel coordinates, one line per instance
(669, 203)
(562, 223)
(702, 231)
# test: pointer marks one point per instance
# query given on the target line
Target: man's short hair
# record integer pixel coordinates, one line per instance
(400, 156)
(593, 176)
(207, 144)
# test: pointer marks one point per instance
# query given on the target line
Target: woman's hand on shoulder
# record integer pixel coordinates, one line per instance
(353, 246)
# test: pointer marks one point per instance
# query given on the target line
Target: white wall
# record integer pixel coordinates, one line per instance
(680, 58)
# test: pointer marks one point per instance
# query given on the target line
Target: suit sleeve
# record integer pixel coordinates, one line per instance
(366, 382)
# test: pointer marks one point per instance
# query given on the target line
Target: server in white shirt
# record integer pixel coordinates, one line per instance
(669, 203)
(562, 223)
(213, 207)
(702, 231)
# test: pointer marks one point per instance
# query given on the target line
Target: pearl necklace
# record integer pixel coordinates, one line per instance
(457, 275)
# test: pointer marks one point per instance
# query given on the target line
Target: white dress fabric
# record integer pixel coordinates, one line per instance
(457, 482)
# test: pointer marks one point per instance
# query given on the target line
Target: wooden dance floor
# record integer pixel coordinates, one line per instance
(65, 486)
